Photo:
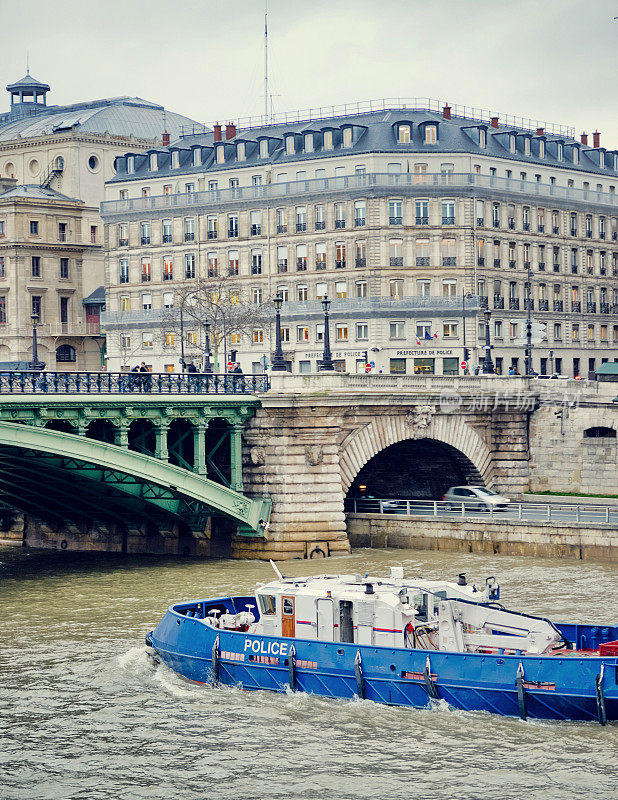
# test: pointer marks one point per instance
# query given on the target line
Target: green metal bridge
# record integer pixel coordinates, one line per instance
(128, 468)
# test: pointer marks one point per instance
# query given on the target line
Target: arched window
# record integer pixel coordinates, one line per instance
(65, 353)
(600, 432)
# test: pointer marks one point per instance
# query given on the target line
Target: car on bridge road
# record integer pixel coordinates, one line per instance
(474, 498)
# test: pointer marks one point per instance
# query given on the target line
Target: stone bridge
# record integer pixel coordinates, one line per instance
(197, 473)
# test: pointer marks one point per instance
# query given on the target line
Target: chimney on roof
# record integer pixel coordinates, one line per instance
(217, 130)
(540, 131)
(596, 139)
(166, 139)
(446, 111)
(493, 121)
(230, 131)
(584, 138)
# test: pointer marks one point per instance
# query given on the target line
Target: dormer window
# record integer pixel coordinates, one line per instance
(131, 164)
(482, 137)
(153, 162)
(431, 134)
(308, 143)
(541, 148)
(328, 140)
(197, 157)
(511, 142)
(526, 145)
(241, 151)
(560, 151)
(221, 154)
(602, 159)
(615, 161)
(347, 137)
(404, 134)
(576, 155)
(263, 148)
(175, 159)
(289, 145)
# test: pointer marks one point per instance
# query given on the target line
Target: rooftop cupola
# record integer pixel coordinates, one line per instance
(28, 90)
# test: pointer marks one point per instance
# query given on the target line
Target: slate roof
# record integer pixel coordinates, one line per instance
(27, 82)
(95, 298)
(374, 132)
(33, 191)
(121, 116)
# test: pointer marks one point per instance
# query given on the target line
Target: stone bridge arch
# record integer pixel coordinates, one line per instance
(361, 445)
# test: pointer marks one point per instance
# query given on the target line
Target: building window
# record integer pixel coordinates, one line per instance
(3, 268)
(36, 266)
(289, 145)
(212, 260)
(301, 258)
(241, 151)
(65, 353)
(404, 135)
(328, 140)
(147, 340)
(264, 148)
(189, 266)
(64, 268)
(302, 333)
(319, 332)
(168, 299)
(360, 213)
(341, 333)
(169, 338)
(397, 329)
(189, 229)
(3, 310)
(125, 303)
(153, 162)
(34, 228)
(282, 258)
(168, 268)
(321, 290)
(362, 330)
(431, 134)
(361, 288)
(339, 255)
(341, 290)
(256, 262)
(396, 288)
(320, 218)
(220, 154)
(145, 233)
(449, 287)
(232, 263)
(146, 302)
(422, 212)
(448, 212)
(308, 143)
(302, 293)
(339, 215)
(146, 270)
(320, 256)
(347, 137)
(395, 212)
(197, 157)
(36, 305)
(449, 330)
(258, 336)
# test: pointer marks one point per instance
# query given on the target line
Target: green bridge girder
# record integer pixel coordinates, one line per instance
(58, 476)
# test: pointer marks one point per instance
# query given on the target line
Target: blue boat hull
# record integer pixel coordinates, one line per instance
(551, 687)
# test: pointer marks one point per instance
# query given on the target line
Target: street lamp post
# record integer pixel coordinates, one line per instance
(528, 356)
(326, 364)
(488, 364)
(278, 361)
(35, 363)
(207, 367)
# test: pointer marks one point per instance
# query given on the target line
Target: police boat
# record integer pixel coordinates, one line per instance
(395, 640)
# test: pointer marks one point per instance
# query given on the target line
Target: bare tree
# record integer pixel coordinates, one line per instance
(125, 344)
(220, 304)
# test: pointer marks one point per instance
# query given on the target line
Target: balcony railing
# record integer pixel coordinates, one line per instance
(496, 262)
(604, 308)
(282, 228)
(541, 266)
(498, 301)
(396, 261)
(339, 223)
(145, 240)
(282, 266)
(514, 303)
(558, 305)
(340, 264)
(256, 230)
(212, 234)
(395, 220)
(166, 238)
(448, 220)
(361, 262)
(422, 261)
(512, 264)
(543, 305)
(591, 308)
(480, 261)
(555, 229)
(422, 220)
(123, 242)
(189, 237)
(449, 261)
(320, 225)
(528, 305)
(576, 306)
(483, 301)
(301, 227)
(320, 266)
(360, 222)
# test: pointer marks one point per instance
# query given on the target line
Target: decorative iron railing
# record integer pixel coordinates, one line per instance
(32, 382)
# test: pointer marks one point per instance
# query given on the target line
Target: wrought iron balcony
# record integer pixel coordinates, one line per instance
(449, 261)
(301, 265)
(212, 234)
(498, 301)
(496, 223)
(511, 224)
(359, 222)
(301, 227)
(146, 277)
(361, 262)
(395, 220)
(282, 266)
(528, 305)
(320, 265)
(558, 305)
(526, 226)
(168, 276)
(576, 306)
(573, 231)
(396, 261)
(422, 220)
(541, 228)
(448, 220)
(166, 238)
(543, 305)
(340, 264)
(574, 269)
(339, 223)
(541, 266)
(480, 261)
(123, 242)
(320, 225)
(496, 262)
(422, 261)
(232, 233)
(282, 228)
(483, 301)
(189, 237)
(588, 234)
(514, 303)
(591, 308)
(604, 308)
(555, 229)
(480, 221)
(512, 264)
(526, 265)
(145, 240)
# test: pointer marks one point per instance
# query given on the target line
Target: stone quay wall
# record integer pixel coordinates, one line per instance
(552, 540)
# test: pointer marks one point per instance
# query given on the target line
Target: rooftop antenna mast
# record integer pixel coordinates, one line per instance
(265, 62)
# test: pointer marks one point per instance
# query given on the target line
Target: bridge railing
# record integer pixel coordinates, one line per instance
(454, 510)
(32, 382)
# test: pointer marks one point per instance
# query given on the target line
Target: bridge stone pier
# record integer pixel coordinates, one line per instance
(313, 435)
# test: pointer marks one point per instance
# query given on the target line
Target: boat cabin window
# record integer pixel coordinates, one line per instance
(437, 598)
(346, 623)
(268, 603)
(288, 606)
(420, 606)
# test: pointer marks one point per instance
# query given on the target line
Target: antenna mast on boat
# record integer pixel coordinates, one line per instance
(265, 62)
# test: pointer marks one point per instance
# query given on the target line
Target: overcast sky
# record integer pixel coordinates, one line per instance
(552, 60)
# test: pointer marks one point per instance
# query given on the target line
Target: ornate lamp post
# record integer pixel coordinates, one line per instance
(207, 367)
(326, 364)
(488, 364)
(278, 362)
(35, 363)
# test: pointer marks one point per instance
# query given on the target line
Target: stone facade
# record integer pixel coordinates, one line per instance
(564, 459)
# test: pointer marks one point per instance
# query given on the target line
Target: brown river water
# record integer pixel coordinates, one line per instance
(85, 715)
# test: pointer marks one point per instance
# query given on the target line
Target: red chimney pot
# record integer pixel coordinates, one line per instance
(494, 122)
(166, 138)
(217, 131)
(230, 131)
(446, 111)
(596, 139)
(540, 131)
(584, 138)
